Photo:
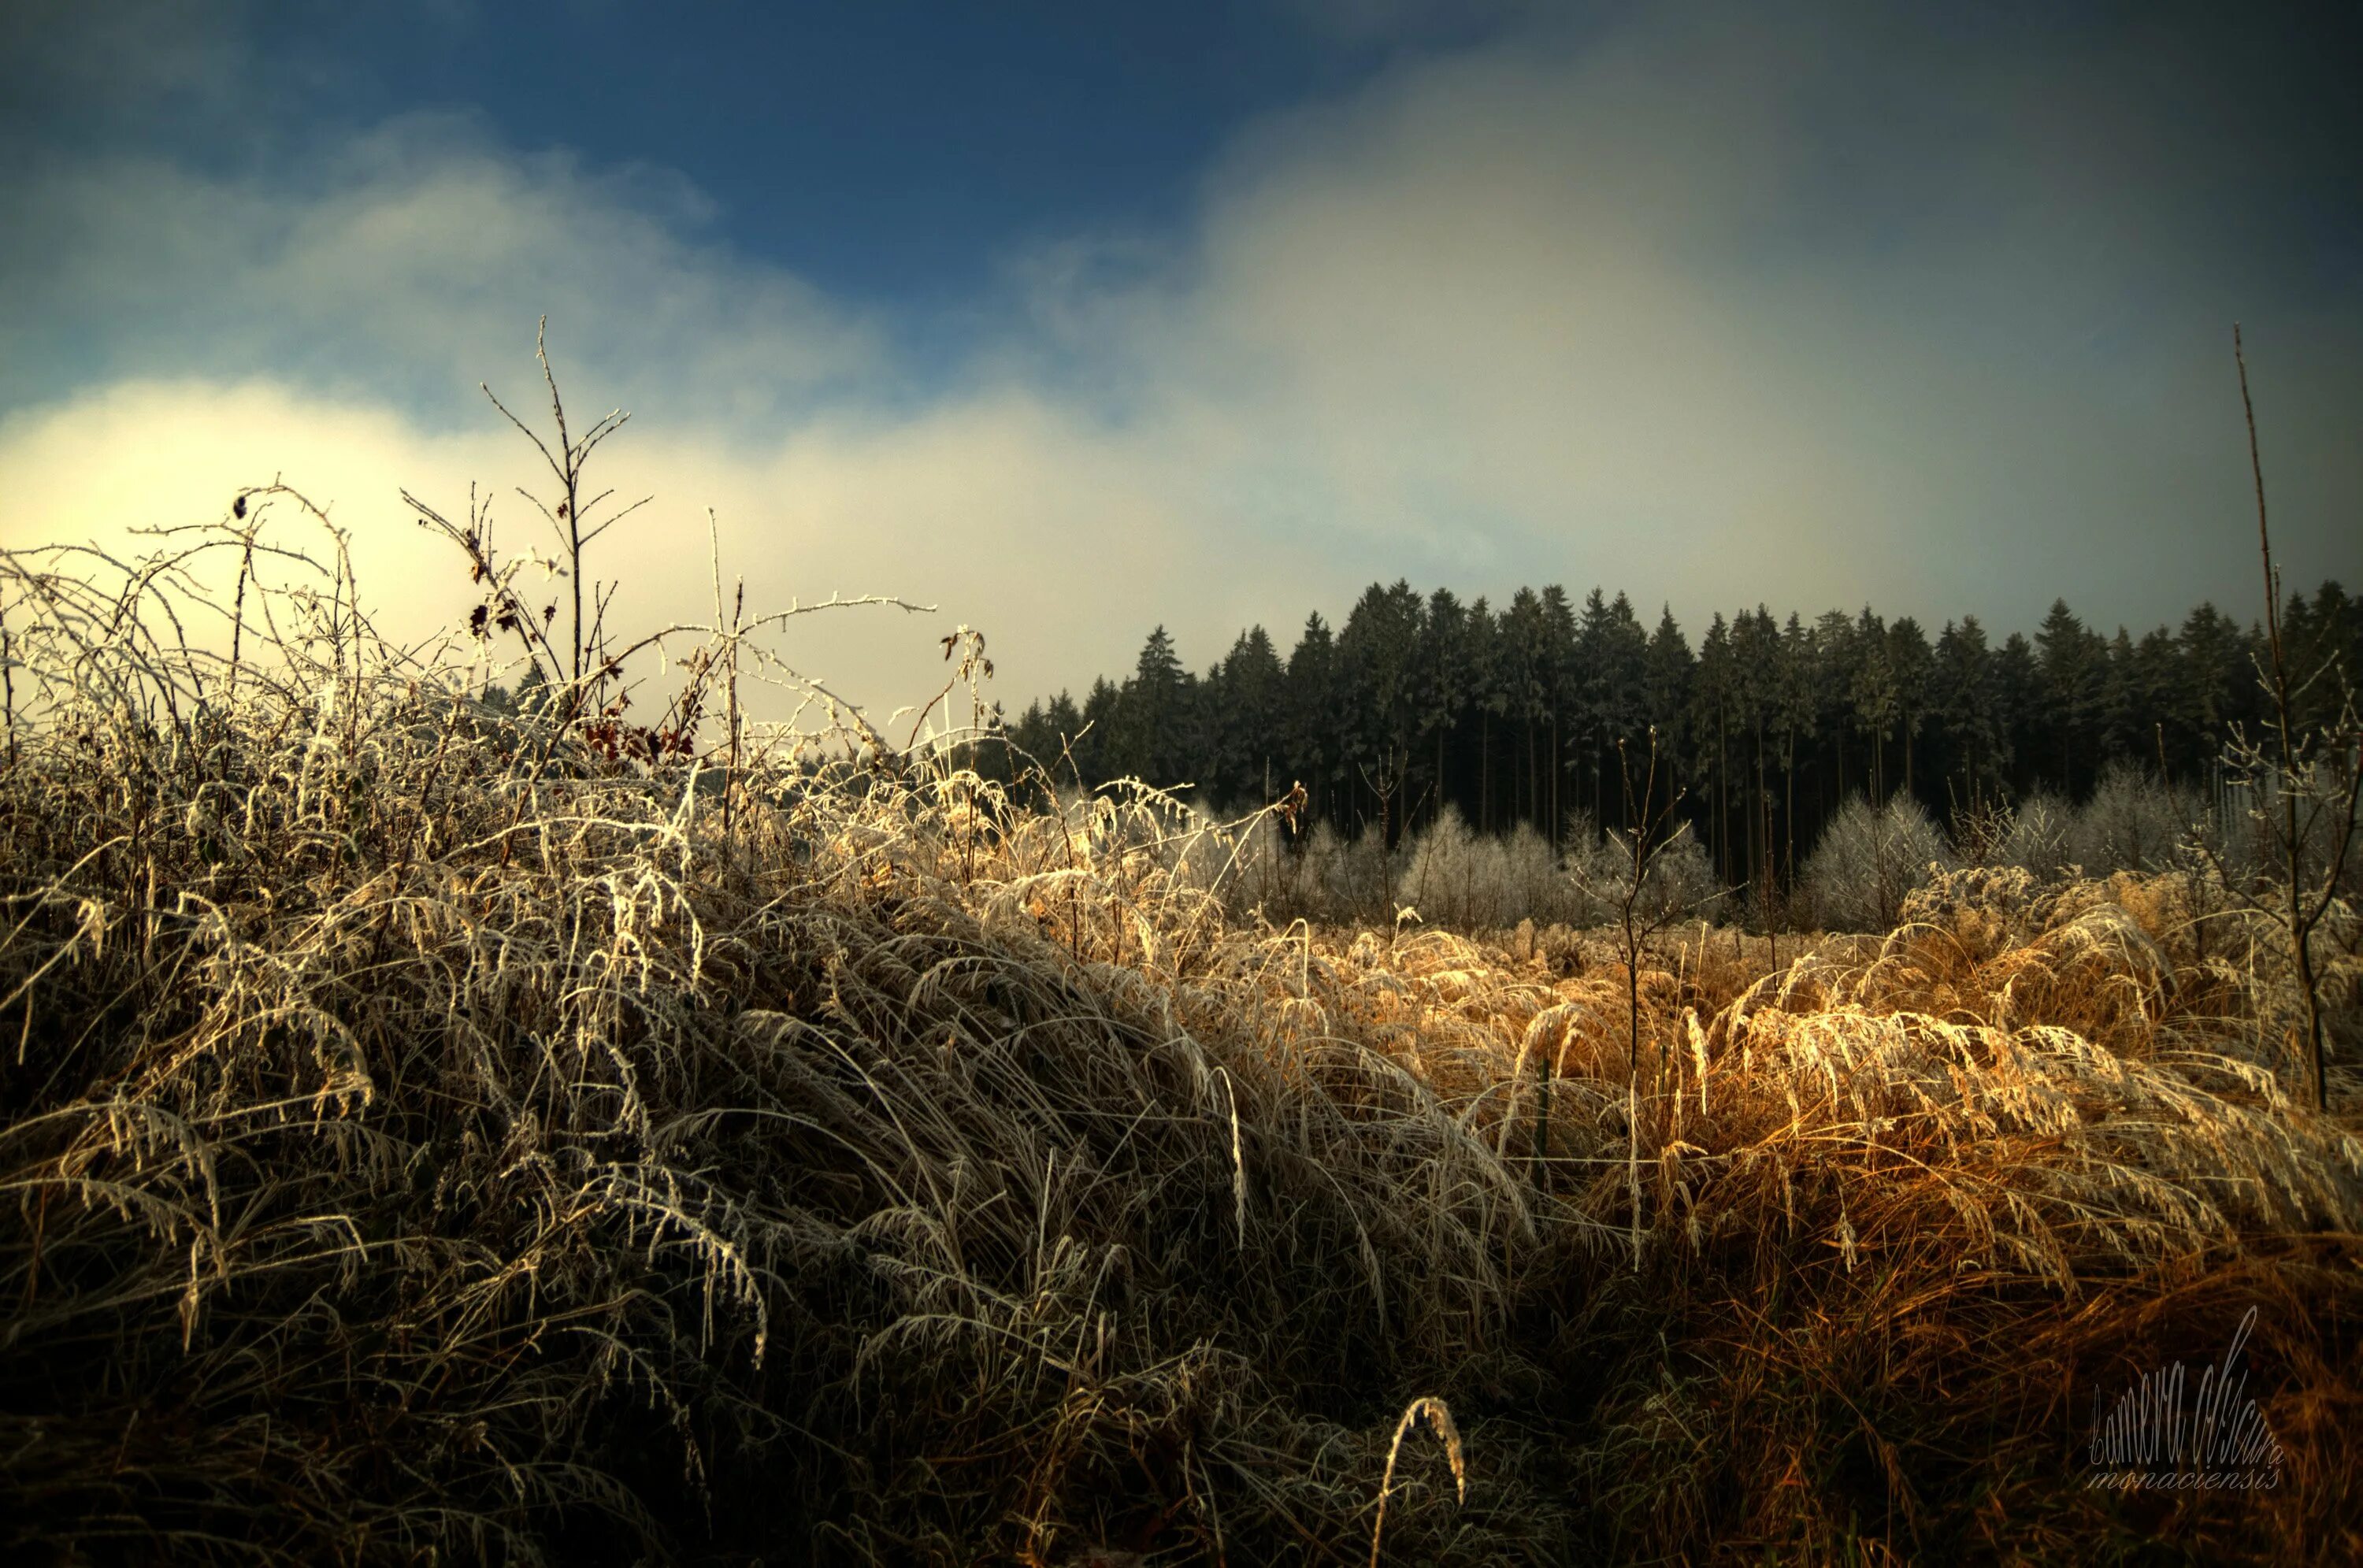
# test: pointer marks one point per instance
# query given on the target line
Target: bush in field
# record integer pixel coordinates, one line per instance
(1453, 878)
(1269, 880)
(2042, 837)
(1321, 876)
(1456, 878)
(1534, 879)
(1352, 875)
(2131, 823)
(1868, 859)
(1678, 877)
(1466, 881)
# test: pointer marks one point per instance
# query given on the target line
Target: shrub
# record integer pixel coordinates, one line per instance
(2042, 837)
(1456, 879)
(1680, 880)
(1868, 859)
(2131, 823)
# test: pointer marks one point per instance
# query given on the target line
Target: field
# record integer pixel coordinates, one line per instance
(433, 1133)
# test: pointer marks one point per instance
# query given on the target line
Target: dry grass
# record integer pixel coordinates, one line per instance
(425, 1139)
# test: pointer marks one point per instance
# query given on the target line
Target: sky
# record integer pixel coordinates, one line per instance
(1071, 320)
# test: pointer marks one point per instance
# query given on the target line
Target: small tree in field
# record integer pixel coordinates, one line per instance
(2308, 780)
(574, 677)
(1643, 883)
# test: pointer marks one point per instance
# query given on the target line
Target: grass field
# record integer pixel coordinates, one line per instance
(428, 1139)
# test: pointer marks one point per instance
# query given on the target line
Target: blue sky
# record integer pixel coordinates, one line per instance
(1076, 319)
(890, 152)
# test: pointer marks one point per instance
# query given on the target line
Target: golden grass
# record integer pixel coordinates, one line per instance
(427, 1140)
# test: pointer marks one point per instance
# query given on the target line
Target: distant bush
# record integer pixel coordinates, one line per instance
(1456, 878)
(2131, 823)
(2041, 837)
(1868, 859)
(1322, 875)
(1679, 877)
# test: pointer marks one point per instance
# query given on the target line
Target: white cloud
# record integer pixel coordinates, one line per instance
(999, 513)
(1529, 312)
(418, 254)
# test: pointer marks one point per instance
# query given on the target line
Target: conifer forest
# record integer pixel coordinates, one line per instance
(1765, 725)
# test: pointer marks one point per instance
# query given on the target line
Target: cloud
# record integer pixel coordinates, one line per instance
(1648, 307)
(1400, 22)
(1608, 313)
(126, 55)
(999, 513)
(406, 263)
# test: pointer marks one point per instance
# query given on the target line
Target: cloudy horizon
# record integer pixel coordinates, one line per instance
(1090, 326)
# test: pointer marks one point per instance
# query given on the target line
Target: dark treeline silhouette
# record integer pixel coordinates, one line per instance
(1768, 725)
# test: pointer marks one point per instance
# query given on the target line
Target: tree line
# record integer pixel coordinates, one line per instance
(1420, 704)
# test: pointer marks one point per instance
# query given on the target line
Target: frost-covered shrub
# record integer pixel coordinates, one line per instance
(1264, 877)
(2131, 823)
(1869, 858)
(1454, 878)
(1474, 882)
(1678, 879)
(2042, 837)
(1353, 874)
(1534, 874)
(2241, 828)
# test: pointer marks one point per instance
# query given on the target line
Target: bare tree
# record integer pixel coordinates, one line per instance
(2310, 777)
(1648, 898)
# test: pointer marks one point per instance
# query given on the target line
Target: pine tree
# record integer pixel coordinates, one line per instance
(1877, 695)
(1796, 705)
(1755, 652)
(1489, 697)
(1563, 683)
(2152, 690)
(1311, 728)
(1153, 716)
(1670, 675)
(1913, 665)
(1967, 711)
(1247, 705)
(1615, 693)
(2019, 713)
(1525, 669)
(2071, 661)
(1093, 747)
(1378, 699)
(1444, 681)
(2218, 690)
(1713, 692)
